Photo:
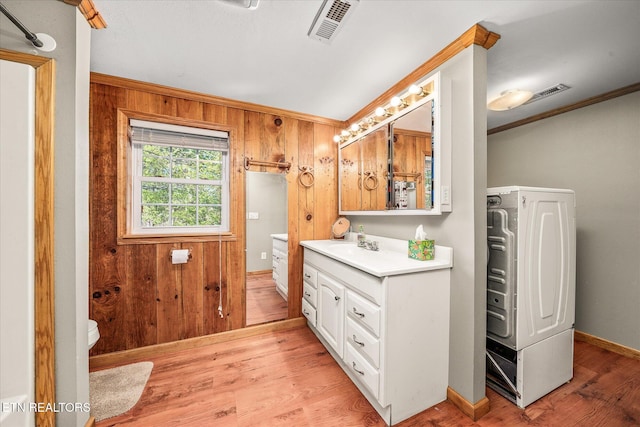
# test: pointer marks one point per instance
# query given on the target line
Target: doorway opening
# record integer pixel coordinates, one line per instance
(266, 248)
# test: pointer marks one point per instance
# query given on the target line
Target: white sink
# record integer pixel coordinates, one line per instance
(391, 259)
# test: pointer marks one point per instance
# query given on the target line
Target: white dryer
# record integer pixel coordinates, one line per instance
(530, 290)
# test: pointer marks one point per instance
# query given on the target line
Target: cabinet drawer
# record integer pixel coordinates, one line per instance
(364, 311)
(309, 312)
(310, 275)
(366, 374)
(310, 294)
(281, 245)
(363, 342)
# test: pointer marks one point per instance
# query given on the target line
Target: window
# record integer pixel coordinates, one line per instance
(179, 180)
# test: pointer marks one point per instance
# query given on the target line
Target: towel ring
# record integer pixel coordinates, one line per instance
(370, 176)
(308, 171)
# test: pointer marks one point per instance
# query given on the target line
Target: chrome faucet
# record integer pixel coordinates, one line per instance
(371, 245)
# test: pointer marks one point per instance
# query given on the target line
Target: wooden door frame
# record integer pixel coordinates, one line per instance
(44, 243)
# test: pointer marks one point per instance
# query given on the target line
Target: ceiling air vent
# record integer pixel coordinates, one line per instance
(330, 18)
(560, 87)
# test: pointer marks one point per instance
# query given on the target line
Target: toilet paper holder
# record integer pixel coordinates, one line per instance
(177, 256)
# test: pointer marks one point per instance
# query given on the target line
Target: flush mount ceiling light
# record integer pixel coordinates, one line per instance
(510, 99)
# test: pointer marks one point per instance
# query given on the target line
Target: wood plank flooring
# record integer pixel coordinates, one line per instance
(264, 303)
(287, 378)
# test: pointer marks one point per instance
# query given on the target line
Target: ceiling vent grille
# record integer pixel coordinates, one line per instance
(560, 87)
(330, 19)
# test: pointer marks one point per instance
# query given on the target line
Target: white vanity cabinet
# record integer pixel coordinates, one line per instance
(280, 258)
(389, 332)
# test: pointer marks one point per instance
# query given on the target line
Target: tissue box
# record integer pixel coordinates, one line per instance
(422, 250)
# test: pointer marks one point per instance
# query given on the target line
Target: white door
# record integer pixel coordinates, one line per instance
(17, 372)
(547, 258)
(330, 322)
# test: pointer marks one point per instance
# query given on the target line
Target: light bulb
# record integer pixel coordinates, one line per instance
(417, 90)
(381, 112)
(396, 101)
(337, 138)
(355, 127)
(345, 133)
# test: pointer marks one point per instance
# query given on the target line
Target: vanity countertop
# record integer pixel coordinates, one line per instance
(390, 260)
(282, 236)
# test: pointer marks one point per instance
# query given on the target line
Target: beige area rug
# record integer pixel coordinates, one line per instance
(114, 391)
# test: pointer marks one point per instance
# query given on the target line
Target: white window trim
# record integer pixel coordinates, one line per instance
(136, 179)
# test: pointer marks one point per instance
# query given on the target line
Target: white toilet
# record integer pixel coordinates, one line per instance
(94, 334)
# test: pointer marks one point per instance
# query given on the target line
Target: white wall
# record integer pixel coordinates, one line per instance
(595, 151)
(72, 34)
(465, 228)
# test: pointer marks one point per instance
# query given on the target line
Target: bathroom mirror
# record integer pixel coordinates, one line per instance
(364, 173)
(412, 160)
(405, 155)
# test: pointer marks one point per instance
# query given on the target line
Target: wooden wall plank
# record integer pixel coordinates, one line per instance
(211, 322)
(191, 280)
(325, 151)
(306, 202)
(234, 252)
(168, 295)
(139, 294)
(294, 252)
(107, 267)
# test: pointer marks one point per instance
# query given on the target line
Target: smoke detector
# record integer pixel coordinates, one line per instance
(330, 19)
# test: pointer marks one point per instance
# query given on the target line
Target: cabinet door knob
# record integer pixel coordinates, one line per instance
(337, 298)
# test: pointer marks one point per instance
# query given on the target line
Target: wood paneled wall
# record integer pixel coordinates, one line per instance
(136, 295)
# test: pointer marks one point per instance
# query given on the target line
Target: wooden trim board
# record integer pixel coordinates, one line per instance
(43, 231)
(475, 411)
(607, 345)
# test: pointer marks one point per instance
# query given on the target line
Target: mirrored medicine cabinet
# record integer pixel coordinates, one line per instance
(400, 165)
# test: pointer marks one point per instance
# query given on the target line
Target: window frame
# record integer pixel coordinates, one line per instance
(126, 231)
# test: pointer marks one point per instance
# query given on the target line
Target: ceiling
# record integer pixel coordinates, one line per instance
(264, 56)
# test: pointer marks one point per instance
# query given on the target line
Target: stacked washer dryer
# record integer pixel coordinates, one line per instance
(530, 290)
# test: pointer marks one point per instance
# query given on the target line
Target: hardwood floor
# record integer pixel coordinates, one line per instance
(264, 303)
(287, 378)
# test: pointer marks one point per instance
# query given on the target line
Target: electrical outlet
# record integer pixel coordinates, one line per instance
(263, 255)
(253, 215)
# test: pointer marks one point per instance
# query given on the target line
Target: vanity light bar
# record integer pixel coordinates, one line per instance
(417, 94)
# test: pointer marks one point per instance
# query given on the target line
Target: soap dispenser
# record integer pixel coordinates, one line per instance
(361, 237)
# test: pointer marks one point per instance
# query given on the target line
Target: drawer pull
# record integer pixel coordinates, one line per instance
(360, 315)
(355, 340)
(306, 313)
(356, 369)
(307, 294)
(307, 276)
